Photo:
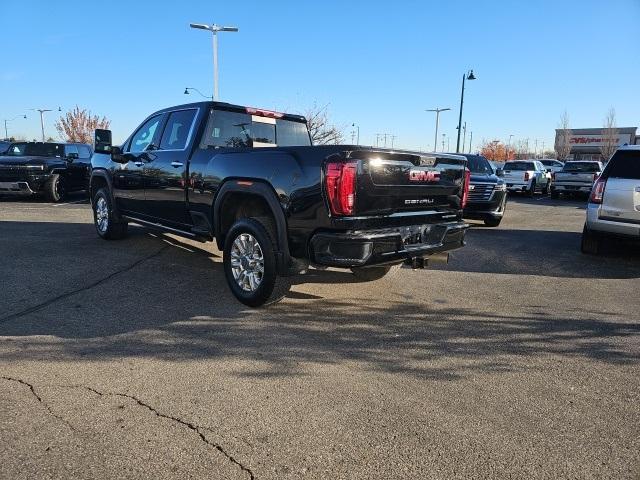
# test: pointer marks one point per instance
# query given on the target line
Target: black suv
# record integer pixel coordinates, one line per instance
(52, 169)
(487, 192)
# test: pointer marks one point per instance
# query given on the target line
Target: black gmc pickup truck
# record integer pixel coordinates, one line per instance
(250, 179)
(50, 169)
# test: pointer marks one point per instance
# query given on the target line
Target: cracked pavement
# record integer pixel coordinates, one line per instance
(131, 359)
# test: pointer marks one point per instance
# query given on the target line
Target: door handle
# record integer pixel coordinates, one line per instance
(177, 164)
(138, 163)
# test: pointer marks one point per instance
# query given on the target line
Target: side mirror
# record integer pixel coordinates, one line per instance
(499, 172)
(117, 156)
(73, 156)
(102, 141)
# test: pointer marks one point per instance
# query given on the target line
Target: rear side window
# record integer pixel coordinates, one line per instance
(68, 149)
(292, 134)
(237, 130)
(176, 132)
(625, 164)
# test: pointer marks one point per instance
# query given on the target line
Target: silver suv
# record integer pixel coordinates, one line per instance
(614, 204)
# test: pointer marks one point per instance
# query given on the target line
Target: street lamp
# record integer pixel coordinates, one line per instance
(214, 29)
(41, 111)
(468, 76)
(437, 110)
(186, 92)
(6, 135)
(358, 128)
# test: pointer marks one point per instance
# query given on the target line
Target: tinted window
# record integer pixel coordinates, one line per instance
(145, 134)
(85, 152)
(176, 132)
(478, 164)
(625, 164)
(519, 166)
(16, 149)
(581, 167)
(291, 134)
(44, 149)
(236, 130)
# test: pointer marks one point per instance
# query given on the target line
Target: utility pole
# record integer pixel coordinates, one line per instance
(464, 136)
(437, 110)
(358, 136)
(467, 76)
(470, 141)
(535, 149)
(7, 120)
(393, 137)
(42, 111)
(509, 146)
(443, 135)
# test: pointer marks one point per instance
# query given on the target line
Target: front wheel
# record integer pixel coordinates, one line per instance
(492, 222)
(104, 219)
(532, 190)
(54, 189)
(250, 264)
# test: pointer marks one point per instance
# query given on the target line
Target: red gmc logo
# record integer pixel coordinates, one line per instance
(423, 176)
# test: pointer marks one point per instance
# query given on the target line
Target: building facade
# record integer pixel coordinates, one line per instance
(587, 143)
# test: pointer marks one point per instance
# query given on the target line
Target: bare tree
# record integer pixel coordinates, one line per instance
(321, 130)
(78, 125)
(563, 137)
(609, 136)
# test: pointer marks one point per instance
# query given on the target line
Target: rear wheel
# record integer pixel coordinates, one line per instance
(591, 243)
(555, 194)
(104, 219)
(370, 274)
(54, 189)
(250, 264)
(545, 190)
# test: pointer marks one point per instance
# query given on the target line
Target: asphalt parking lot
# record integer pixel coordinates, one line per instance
(131, 359)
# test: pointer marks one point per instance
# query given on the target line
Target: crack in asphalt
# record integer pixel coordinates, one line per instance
(189, 425)
(39, 398)
(46, 303)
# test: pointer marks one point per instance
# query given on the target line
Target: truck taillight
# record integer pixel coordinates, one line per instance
(597, 192)
(526, 176)
(341, 187)
(465, 191)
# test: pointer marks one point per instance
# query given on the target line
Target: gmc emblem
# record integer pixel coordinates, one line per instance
(423, 176)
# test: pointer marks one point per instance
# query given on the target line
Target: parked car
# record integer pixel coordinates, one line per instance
(528, 176)
(576, 177)
(614, 204)
(51, 169)
(487, 192)
(553, 166)
(200, 171)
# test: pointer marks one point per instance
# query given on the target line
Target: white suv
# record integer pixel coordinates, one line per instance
(614, 204)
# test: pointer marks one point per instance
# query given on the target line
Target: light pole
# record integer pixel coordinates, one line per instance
(468, 76)
(509, 146)
(41, 111)
(437, 110)
(186, 92)
(214, 29)
(6, 135)
(443, 135)
(470, 141)
(464, 135)
(358, 128)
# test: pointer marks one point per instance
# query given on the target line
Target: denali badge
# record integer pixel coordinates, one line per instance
(419, 201)
(423, 176)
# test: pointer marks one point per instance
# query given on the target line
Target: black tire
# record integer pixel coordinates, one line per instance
(54, 189)
(492, 222)
(532, 191)
(108, 227)
(555, 194)
(271, 287)
(591, 243)
(371, 274)
(545, 190)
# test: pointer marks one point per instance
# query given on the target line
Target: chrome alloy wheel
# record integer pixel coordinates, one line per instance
(247, 262)
(102, 215)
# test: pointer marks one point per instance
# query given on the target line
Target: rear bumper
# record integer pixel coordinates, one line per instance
(610, 226)
(518, 186)
(385, 246)
(560, 188)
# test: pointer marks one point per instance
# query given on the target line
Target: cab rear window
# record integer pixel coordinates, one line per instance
(519, 166)
(588, 167)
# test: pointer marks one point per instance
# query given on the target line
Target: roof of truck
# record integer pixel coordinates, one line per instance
(236, 108)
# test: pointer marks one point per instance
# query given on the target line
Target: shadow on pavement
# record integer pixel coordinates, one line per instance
(175, 305)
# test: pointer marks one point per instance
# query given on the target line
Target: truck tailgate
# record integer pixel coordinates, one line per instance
(582, 178)
(389, 182)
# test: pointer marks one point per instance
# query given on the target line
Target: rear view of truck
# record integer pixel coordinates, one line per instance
(388, 207)
(575, 177)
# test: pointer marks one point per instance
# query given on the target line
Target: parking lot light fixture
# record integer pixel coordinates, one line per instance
(186, 92)
(214, 29)
(437, 110)
(7, 120)
(42, 112)
(467, 76)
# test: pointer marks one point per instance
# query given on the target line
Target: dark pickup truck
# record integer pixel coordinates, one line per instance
(49, 169)
(251, 179)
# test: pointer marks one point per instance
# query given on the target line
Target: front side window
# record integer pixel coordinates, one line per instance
(44, 149)
(145, 135)
(625, 164)
(176, 132)
(16, 149)
(69, 149)
(85, 152)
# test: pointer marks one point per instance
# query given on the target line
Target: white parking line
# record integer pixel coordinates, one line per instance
(68, 203)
